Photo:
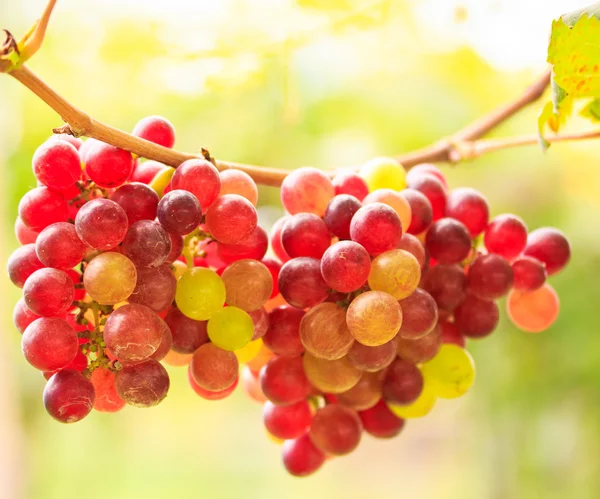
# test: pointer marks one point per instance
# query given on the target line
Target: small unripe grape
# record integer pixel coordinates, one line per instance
(200, 293)
(395, 272)
(381, 173)
(110, 278)
(230, 328)
(374, 318)
(451, 372)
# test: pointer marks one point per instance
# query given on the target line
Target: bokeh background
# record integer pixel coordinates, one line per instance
(324, 83)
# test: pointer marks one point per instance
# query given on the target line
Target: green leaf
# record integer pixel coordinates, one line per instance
(555, 113)
(592, 111)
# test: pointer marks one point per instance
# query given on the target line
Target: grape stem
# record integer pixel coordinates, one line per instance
(462, 145)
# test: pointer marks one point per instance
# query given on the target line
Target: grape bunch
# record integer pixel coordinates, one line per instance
(350, 316)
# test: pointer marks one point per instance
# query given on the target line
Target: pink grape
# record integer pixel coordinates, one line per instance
(301, 284)
(506, 235)
(138, 201)
(376, 227)
(283, 335)
(301, 457)
(447, 284)
(24, 234)
(69, 396)
(306, 190)
(283, 380)
(403, 383)
(421, 211)
(238, 182)
(58, 246)
(433, 190)
(108, 166)
(290, 421)
(22, 263)
(101, 224)
(49, 343)
(339, 213)
(345, 266)
(107, 399)
(476, 318)
(49, 292)
(372, 359)
(156, 129)
(549, 246)
(336, 429)
(448, 241)
(56, 164)
(380, 422)
(529, 273)
(490, 277)
(419, 315)
(146, 244)
(155, 288)
(275, 238)
(231, 219)
(305, 234)
(22, 316)
(41, 207)
(350, 183)
(201, 178)
(254, 247)
(469, 207)
(179, 212)
(533, 311)
(143, 385)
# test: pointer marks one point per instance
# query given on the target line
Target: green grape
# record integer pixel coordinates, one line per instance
(110, 278)
(420, 407)
(230, 328)
(200, 293)
(450, 373)
(382, 173)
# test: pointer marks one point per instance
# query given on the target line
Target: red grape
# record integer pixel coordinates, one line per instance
(490, 277)
(146, 244)
(476, 318)
(448, 241)
(420, 349)
(22, 263)
(529, 273)
(69, 396)
(147, 171)
(419, 315)
(107, 398)
(451, 334)
(283, 335)
(301, 457)
(301, 284)
(56, 164)
(350, 183)
(410, 243)
(549, 246)
(41, 207)
(74, 141)
(469, 207)
(179, 212)
(49, 343)
(101, 224)
(306, 190)
(372, 359)
(336, 429)
(155, 129)
(305, 234)
(166, 342)
(254, 247)
(433, 190)
(22, 316)
(188, 334)
(380, 422)
(143, 385)
(207, 394)
(506, 235)
(430, 169)
(345, 266)
(213, 368)
(421, 211)
(289, 421)
(339, 213)
(108, 166)
(59, 246)
(155, 288)
(238, 182)
(274, 267)
(201, 178)
(231, 219)
(24, 234)
(49, 292)
(260, 318)
(376, 227)
(403, 382)
(447, 284)
(138, 201)
(283, 380)
(275, 238)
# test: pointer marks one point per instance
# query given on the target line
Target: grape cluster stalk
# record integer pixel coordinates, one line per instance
(351, 316)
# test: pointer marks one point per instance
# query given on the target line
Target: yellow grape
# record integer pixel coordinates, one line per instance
(331, 376)
(381, 173)
(230, 328)
(249, 351)
(419, 408)
(374, 318)
(396, 272)
(200, 293)
(533, 311)
(248, 283)
(324, 333)
(110, 278)
(451, 372)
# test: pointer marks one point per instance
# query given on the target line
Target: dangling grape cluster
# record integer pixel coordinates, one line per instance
(356, 321)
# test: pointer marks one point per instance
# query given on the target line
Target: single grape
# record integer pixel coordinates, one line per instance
(336, 429)
(255, 247)
(110, 278)
(24, 234)
(231, 219)
(230, 328)
(476, 318)
(306, 190)
(146, 244)
(274, 267)
(49, 343)
(22, 316)
(420, 349)
(179, 212)
(248, 284)
(374, 318)
(301, 284)
(350, 183)
(275, 238)
(506, 235)
(447, 284)
(283, 335)
(448, 241)
(261, 321)
(289, 421)
(155, 129)
(56, 164)
(490, 277)
(324, 332)
(133, 333)
(207, 394)
(434, 191)
(331, 376)
(372, 359)
(65, 137)
(166, 342)
(201, 178)
(107, 399)
(419, 315)
(529, 273)
(394, 200)
(364, 395)
(380, 422)
(549, 246)
(284, 381)
(403, 383)
(451, 334)
(345, 266)
(301, 457)
(339, 213)
(148, 172)
(143, 385)
(380, 173)
(305, 234)
(49, 292)
(377, 227)
(213, 368)
(200, 293)
(470, 207)
(533, 311)
(428, 168)
(420, 209)
(188, 334)
(41, 207)
(138, 201)
(69, 396)
(59, 246)
(419, 408)
(155, 288)
(395, 272)
(238, 182)
(451, 372)
(22, 263)
(101, 224)
(108, 166)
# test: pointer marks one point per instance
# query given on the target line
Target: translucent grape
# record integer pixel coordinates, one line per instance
(201, 178)
(146, 244)
(207, 394)
(289, 421)
(377, 227)
(420, 209)
(68, 396)
(101, 224)
(476, 318)
(48, 292)
(380, 422)
(108, 166)
(506, 235)
(470, 207)
(490, 277)
(372, 358)
(22, 263)
(56, 164)
(374, 318)
(275, 238)
(41, 207)
(345, 266)
(213, 368)
(380, 173)
(419, 408)
(301, 457)
(154, 288)
(306, 190)
(403, 383)
(331, 376)
(238, 182)
(22, 316)
(365, 394)
(133, 333)
(283, 380)
(420, 349)
(155, 129)
(350, 183)
(283, 335)
(59, 246)
(107, 399)
(188, 334)
(249, 351)
(301, 284)
(394, 200)
(395, 272)
(49, 343)
(110, 278)
(260, 318)
(255, 247)
(339, 213)
(529, 273)
(200, 293)
(433, 190)
(533, 311)
(448, 241)
(305, 234)
(248, 284)
(549, 246)
(143, 385)
(179, 212)
(231, 219)
(451, 373)
(324, 332)
(419, 315)
(230, 328)
(138, 201)
(336, 430)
